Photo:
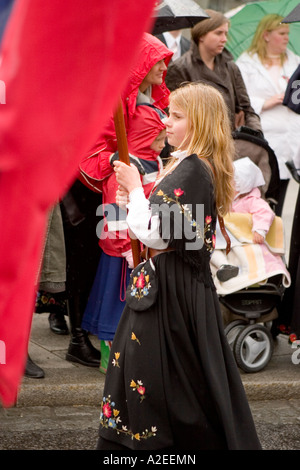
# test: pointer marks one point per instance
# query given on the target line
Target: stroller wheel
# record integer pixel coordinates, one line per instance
(233, 329)
(253, 348)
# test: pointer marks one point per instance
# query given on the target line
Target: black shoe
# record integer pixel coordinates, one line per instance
(58, 324)
(32, 370)
(226, 272)
(82, 351)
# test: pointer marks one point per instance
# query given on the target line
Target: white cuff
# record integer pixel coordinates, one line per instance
(136, 194)
(261, 232)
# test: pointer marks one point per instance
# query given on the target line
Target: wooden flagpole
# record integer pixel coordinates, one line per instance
(124, 157)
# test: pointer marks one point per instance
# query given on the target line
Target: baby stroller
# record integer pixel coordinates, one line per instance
(248, 313)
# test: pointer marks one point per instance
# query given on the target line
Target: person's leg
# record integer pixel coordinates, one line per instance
(32, 370)
(80, 348)
(51, 297)
(83, 253)
(222, 269)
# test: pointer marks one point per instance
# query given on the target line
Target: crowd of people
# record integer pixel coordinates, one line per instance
(266, 69)
(171, 380)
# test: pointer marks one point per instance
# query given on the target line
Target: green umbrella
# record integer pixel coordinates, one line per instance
(243, 24)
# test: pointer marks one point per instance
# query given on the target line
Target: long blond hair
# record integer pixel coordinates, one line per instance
(209, 136)
(258, 45)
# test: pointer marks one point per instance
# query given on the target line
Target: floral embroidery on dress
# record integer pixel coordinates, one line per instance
(134, 338)
(210, 241)
(139, 387)
(140, 284)
(115, 360)
(110, 419)
(185, 210)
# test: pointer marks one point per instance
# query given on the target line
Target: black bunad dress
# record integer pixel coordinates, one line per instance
(172, 382)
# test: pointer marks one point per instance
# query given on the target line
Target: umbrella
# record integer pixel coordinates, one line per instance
(177, 14)
(243, 24)
(294, 16)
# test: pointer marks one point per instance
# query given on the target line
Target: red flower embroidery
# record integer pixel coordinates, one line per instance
(140, 283)
(283, 328)
(213, 240)
(293, 337)
(141, 390)
(106, 410)
(178, 192)
(208, 219)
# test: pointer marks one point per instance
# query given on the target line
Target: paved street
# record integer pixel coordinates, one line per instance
(75, 427)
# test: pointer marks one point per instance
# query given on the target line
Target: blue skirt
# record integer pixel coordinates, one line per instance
(107, 297)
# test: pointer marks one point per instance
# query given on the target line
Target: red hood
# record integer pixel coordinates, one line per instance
(152, 50)
(95, 166)
(145, 125)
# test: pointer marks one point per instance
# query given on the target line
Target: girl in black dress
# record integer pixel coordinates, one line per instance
(172, 382)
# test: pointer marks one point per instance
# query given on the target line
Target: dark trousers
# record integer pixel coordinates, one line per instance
(282, 192)
(82, 248)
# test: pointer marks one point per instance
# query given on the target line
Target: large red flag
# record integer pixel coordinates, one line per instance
(63, 64)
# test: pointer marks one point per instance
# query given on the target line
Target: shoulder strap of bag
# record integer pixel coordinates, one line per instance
(225, 234)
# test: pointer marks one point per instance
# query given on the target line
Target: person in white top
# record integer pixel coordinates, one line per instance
(176, 42)
(266, 68)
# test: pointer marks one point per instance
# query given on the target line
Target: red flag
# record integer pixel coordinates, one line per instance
(64, 65)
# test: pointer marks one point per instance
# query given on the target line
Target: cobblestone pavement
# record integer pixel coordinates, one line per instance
(277, 423)
(76, 427)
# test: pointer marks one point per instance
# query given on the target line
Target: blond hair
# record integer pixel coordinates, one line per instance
(258, 45)
(209, 136)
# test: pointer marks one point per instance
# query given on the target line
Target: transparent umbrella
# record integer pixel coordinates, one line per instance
(176, 14)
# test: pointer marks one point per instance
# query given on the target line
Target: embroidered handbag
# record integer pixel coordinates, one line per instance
(141, 292)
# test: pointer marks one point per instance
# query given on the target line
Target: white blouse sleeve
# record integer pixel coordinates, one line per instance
(250, 73)
(139, 218)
